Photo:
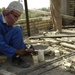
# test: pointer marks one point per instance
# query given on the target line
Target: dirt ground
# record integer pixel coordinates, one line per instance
(43, 68)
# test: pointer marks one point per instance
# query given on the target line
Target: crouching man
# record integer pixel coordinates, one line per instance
(11, 39)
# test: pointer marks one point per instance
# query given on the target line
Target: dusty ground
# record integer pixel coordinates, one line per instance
(56, 68)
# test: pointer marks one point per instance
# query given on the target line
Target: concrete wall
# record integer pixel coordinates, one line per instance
(68, 7)
(72, 7)
(65, 7)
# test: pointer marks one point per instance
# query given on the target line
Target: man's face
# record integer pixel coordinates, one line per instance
(11, 16)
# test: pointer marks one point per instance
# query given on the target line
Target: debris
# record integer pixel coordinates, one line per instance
(57, 53)
(41, 55)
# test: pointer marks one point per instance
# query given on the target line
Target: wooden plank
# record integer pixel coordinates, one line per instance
(68, 17)
(69, 26)
(68, 45)
(51, 36)
(51, 40)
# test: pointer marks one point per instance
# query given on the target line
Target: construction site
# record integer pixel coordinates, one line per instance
(52, 36)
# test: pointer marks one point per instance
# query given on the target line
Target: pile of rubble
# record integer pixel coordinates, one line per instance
(61, 47)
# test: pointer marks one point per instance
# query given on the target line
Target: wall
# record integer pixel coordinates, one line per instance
(72, 7)
(65, 7)
(36, 24)
(68, 7)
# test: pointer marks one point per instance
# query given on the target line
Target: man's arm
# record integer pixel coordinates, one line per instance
(5, 48)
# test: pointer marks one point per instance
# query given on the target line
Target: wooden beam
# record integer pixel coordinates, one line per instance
(68, 45)
(51, 36)
(68, 17)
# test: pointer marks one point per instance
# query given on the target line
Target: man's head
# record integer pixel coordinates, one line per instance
(15, 5)
(13, 12)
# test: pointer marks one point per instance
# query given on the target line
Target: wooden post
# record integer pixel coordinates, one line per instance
(55, 13)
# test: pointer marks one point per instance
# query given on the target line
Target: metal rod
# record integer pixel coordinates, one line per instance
(27, 18)
(44, 64)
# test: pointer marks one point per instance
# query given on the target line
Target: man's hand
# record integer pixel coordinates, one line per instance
(21, 52)
(27, 51)
(31, 51)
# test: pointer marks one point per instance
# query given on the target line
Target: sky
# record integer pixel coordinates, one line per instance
(32, 4)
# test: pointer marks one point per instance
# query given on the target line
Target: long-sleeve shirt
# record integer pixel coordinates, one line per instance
(4, 47)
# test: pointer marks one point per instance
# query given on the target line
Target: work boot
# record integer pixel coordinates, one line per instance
(18, 62)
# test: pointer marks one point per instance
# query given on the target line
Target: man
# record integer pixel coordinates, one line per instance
(11, 40)
(55, 13)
